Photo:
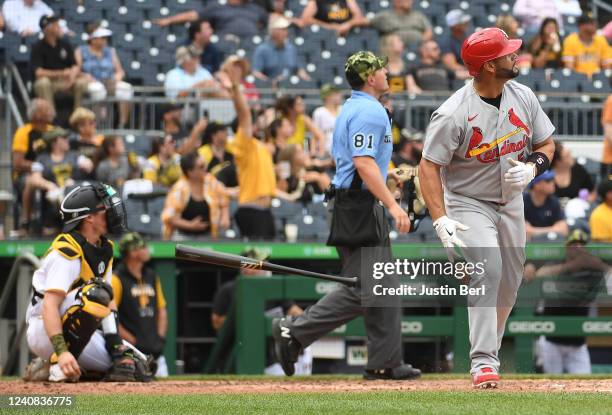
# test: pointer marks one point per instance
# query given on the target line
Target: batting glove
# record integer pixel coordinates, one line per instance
(520, 175)
(447, 228)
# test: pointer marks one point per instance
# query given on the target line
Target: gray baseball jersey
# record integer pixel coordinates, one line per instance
(473, 140)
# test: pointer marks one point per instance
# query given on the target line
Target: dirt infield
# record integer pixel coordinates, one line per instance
(174, 387)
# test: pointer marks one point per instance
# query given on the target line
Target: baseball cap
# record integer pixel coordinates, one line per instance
(183, 53)
(457, 16)
(130, 242)
(547, 175)
(100, 32)
(577, 235)
(279, 23)
(328, 89)
(255, 253)
(364, 63)
(47, 20)
(54, 133)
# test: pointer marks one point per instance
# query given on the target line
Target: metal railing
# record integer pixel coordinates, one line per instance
(20, 275)
(580, 118)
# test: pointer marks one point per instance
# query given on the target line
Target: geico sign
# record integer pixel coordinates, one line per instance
(532, 327)
(412, 327)
(597, 326)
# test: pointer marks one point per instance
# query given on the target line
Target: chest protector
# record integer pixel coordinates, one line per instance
(95, 260)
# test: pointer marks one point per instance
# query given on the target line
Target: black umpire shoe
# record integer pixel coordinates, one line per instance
(286, 346)
(401, 372)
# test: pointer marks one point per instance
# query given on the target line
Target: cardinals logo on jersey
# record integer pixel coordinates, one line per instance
(517, 122)
(490, 152)
(475, 141)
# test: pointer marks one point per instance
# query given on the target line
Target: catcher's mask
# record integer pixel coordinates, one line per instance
(85, 200)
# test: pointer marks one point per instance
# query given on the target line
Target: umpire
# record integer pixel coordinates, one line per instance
(362, 147)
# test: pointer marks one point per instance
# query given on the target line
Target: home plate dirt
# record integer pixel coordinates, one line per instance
(301, 386)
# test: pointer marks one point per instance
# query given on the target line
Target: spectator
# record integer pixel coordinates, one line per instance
(585, 51)
(217, 154)
(279, 133)
(303, 180)
(510, 25)
(293, 108)
(164, 165)
(141, 306)
(59, 167)
(545, 47)
(606, 122)
(188, 75)
(430, 74)
(601, 218)
(103, 67)
(276, 58)
(337, 15)
(570, 177)
(196, 205)
(23, 16)
(543, 213)
(27, 140)
(458, 23)
(392, 47)
(410, 149)
(324, 117)
(54, 66)
(532, 13)
(114, 166)
(236, 17)
(86, 140)
(584, 273)
(412, 25)
(200, 33)
(172, 123)
(256, 179)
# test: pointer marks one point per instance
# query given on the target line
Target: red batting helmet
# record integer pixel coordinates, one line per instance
(485, 45)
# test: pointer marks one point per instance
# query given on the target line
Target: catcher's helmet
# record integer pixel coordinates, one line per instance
(84, 200)
(486, 45)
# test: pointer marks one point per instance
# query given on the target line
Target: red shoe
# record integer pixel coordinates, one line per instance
(485, 378)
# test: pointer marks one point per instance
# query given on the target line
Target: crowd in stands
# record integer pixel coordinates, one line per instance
(208, 167)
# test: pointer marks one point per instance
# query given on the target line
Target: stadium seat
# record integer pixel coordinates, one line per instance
(139, 144)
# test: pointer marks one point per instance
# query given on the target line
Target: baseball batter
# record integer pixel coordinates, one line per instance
(483, 147)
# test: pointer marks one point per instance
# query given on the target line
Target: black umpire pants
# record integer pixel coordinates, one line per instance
(382, 324)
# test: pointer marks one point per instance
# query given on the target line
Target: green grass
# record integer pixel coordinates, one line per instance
(438, 403)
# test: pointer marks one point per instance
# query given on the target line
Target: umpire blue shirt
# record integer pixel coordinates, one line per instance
(362, 129)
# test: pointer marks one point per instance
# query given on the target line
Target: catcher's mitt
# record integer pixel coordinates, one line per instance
(409, 193)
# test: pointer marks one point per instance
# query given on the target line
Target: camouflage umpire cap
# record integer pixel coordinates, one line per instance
(364, 63)
(130, 242)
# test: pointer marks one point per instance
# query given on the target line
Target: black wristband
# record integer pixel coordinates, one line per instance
(540, 160)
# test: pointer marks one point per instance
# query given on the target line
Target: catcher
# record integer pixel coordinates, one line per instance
(72, 296)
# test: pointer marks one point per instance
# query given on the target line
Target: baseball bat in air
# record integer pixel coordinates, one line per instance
(208, 256)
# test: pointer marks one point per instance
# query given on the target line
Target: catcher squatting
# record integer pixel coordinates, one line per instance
(72, 324)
